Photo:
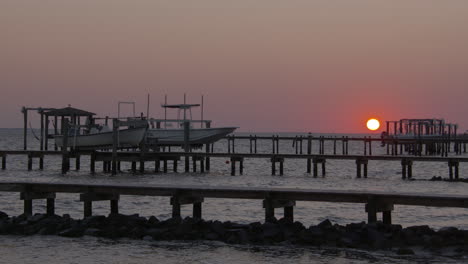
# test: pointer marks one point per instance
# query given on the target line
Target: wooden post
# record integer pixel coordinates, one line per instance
(241, 166)
(207, 149)
(334, 146)
(41, 161)
(233, 166)
(358, 168)
(403, 169)
(133, 166)
(269, 210)
(371, 209)
(55, 129)
(28, 207)
(323, 167)
(186, 144)
(93, 162)
(289, 214)
(309, 152)
(174, 163)
(281, 166)
(77, 162)
(4, 161)
(88, 209)
(65, 155)
(315, 167)
(175, 207)
(194, 163)
(410, 169)
(114, 205)
(197, 210)
(157, 165)
(46, 132)
(30, 162)
(41, 138)
(115, 138)
(273, 166)
(387, 217)
(25, 128)
(50, 206)
(165, 166)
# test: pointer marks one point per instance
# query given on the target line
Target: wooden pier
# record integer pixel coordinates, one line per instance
(195, 195)
(162, 159)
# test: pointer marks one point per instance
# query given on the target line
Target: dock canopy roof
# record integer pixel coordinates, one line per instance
(68, 111)
(180, 106)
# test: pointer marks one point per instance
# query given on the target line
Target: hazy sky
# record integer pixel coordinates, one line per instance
(263, 65)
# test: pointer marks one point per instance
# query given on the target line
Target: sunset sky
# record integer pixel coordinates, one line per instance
(262, 65)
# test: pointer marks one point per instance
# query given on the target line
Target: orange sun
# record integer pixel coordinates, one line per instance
(373, 124)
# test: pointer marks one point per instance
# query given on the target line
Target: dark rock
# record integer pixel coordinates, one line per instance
(36, 218)
(3, 215)
(325, 224)
(211, 236)
(218, 228)
(153, 220)
(92, 232)
(94, 221)
(72, 232)
(405, 251)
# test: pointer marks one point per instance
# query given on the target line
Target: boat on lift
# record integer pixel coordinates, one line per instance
(101, 137)
(163, 132)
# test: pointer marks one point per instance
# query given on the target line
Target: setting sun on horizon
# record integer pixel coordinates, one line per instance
(373, 124)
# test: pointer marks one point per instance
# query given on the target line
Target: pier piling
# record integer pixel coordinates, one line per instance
(90, 197)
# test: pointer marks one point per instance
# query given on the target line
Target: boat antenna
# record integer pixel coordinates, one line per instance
(147, 107)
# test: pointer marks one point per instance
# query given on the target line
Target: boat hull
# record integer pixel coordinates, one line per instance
(196, 135)
(131, 137)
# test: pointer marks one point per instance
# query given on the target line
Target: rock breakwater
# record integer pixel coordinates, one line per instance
(376, 236)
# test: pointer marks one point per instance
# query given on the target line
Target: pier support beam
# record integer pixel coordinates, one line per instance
(3, 161)
(364, 163)
(201, 160)
(406, 169)
(177, 201)
(374, 207)
(233, 165)
(317, 161)
(89, 198)
(453, 165)
(270, 204)
(274, 160)
(28, 197)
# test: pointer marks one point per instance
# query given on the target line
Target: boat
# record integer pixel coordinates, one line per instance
(168, 136)
(103, 138)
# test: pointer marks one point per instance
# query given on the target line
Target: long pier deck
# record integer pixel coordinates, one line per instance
(112, 160)
(272, 197)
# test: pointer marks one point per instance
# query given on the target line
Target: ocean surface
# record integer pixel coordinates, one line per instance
(341, 175)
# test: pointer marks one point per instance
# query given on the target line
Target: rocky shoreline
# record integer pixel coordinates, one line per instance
(375, 236)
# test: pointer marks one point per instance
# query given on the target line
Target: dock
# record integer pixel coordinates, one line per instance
(201, 161)
(273, 198)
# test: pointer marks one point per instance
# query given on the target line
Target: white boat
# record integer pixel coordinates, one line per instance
(196, 135)
(130, 137)
(165, 136)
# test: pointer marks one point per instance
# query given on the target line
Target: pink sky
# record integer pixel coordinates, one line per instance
(263, 65)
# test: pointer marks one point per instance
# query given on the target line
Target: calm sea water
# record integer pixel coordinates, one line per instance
(382, 176)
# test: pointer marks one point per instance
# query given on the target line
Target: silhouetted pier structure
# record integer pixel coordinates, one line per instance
(111, 161)
(195, 195)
